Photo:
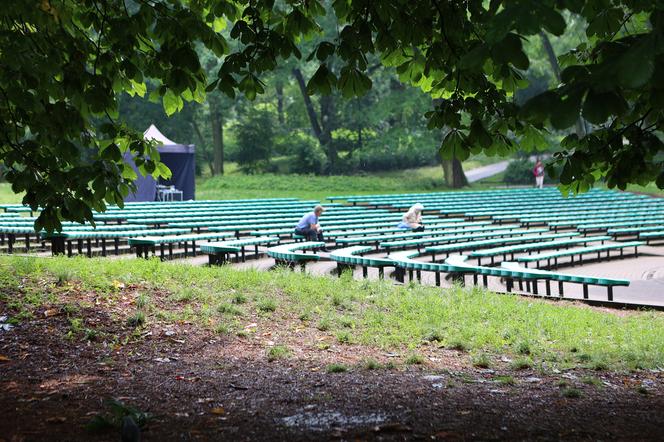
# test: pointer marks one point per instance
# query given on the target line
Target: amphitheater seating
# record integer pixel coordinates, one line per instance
(352, 256)
(294, 253)
(219, 252)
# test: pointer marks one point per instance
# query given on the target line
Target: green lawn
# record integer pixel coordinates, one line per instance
(6, 194)
(376, 314)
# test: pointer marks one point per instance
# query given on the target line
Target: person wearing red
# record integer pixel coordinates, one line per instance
(538, 171)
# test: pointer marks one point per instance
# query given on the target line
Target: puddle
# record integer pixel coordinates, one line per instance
(333, 419)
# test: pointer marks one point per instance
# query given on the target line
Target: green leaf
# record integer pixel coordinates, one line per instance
(172, 103)
(453, 146)
(353, 83)
(552, 21)
(598, 107)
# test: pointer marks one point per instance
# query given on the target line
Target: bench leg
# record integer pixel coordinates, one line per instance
(243, 256)
(365, 272)
(381, 273)
(437, 279)
(69, 250)
(485, 280)
(410, 274)
(509, 283)
(560, 289)
(256, 250)
(585, 291)
(170, 250)
(474, 278)
(609, 290)
(162, 251)
(10, 242)
(419, 275)
(535, 287)
(520, 285)
(103, 247)
(400, 274)
(186, 249)
(57, 246)
(79, 246)
(116, 244)
(548, 287)
(88, 244)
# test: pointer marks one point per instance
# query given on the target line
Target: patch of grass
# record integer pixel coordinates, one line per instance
(343, 337)
(266, 305)
(136, 320)
(505, 380)
(434, 336)
(143, 300)
(239, 298)
(324, 324)
(570, 392)
(336, 368)
(521, 363)
(523, 348)
(222, 329)
(371, 364)
(457, 345)
(277, 352)
(481, 361)
(347, 322)
(229, 309)
(415, 359)
(63, 276)
(592, 380)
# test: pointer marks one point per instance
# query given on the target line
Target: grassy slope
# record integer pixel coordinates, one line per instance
(374, 314)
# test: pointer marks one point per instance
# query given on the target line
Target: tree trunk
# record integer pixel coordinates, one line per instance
(202, 145)
(326, 118)
(581, 129)
(454, 174)
(313, 119)
(280, 101)
(217, 140)
(323, 129)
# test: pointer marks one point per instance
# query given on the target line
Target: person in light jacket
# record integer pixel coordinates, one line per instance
(413, 219)
(538, 171)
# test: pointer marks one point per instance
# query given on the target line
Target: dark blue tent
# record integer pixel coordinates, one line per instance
(180, 159)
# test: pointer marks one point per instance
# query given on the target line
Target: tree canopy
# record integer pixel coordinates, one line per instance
(65, 64)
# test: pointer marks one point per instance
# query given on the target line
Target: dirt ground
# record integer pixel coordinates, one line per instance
(198, 385)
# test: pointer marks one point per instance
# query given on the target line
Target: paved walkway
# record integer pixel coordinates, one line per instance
(480, 173)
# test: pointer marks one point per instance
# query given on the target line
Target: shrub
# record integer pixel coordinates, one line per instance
(308, 156)
(519, 172)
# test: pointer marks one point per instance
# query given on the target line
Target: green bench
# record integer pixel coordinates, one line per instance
(634, 231)
(651, 236)
(219, 252)
(513, 271)
(533, 246)
(61, 242)
(294, 253)
(447, 249)
(446, 239)
(533, 275)
(352, 256)
(143, 244)
(571, 253)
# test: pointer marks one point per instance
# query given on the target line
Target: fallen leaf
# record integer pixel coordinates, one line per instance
(56, 420)
(4, 358)
(51, 312)
(218, 410)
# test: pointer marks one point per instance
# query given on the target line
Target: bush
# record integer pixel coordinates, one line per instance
(308, 156)
(397, 149)
(520, 172)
